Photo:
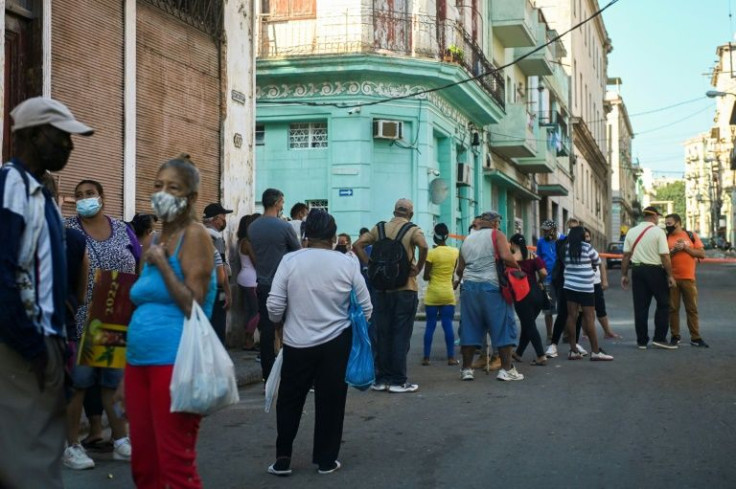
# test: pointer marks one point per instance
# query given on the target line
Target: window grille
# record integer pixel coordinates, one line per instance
(308, 135)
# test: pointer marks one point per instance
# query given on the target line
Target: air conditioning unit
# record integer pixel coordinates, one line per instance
(463, 175)
(383, 129)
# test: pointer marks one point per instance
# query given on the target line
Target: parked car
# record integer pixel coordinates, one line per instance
(616, 247)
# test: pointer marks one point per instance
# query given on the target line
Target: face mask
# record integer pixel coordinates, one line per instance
(166, 206)
(587, 241)
(88, 207)
(670, 229)
(341, 248)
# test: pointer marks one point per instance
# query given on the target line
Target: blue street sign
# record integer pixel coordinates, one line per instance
(345, 192)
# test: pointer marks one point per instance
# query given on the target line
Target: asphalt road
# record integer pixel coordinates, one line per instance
(649, 419)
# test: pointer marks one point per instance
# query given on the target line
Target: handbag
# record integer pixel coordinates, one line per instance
(513, 282)
(203, 380)
(360, 372)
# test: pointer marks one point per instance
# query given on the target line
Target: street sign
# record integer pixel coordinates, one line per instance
(345, 192)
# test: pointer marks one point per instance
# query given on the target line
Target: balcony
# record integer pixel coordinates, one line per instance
(516, 135)
(381, 32)
(545, 160)
(513, 22)
(540, 62)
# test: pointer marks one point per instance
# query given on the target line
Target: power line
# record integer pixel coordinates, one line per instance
(450, 85)
(674, 122)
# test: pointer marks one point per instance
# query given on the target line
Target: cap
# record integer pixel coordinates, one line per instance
(404, 205)
(490, 216)
(213, 210)
(652, 211)
(549, 224)
(39, 111)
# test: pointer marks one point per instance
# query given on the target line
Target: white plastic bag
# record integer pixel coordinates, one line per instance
(274, 379)
(203, 380)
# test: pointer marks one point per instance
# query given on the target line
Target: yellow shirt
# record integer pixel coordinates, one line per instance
(439, 289)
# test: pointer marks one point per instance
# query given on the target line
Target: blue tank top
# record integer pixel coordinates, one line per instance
(156, 326)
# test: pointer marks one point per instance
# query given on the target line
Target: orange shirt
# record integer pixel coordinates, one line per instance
(683, 265)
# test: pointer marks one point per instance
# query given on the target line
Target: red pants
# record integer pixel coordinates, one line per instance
(163, 442)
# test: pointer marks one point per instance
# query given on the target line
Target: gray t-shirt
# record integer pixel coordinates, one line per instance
(271, 238)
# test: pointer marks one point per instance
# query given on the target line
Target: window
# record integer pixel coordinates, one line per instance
(308, 135)
(321, 204)
(293, 9)
(260, 134)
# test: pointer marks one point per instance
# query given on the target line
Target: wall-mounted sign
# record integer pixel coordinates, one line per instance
(238, 97)
(345, 192)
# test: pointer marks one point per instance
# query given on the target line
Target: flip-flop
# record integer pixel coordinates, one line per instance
(97, 443)
(538, 364)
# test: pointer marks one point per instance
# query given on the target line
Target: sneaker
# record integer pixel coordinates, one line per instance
(600, 357)
(400, 389)
(665, 345)
(573, 355)
(551, 351)
(700, 343)
(335, 467)
(76, 458)
(379, 387)
(122, 449)
(641, 347)
(675, 340)
(582, 350)
(280, 467)
(508, 375)
(467, 374)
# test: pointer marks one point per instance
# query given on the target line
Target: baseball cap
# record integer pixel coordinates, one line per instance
(549, 224)
(39, 111)
(652, 211)
(215, 209)
(490, 216)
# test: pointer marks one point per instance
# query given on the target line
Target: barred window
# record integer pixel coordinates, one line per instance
(308, 135)
(260, 134)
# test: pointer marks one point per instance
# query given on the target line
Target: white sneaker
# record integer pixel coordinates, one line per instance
(122, 449)
(400, 389)
(582, 350)
(551, 351)
(379, 387)
(467, 374)
(511, 374)
(75, 457)
(600, 357)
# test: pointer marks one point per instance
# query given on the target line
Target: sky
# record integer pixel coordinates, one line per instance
(662, 51)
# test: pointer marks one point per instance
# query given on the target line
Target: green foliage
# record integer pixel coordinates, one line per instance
(675, 192)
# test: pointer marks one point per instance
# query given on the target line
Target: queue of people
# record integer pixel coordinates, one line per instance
(296, 290)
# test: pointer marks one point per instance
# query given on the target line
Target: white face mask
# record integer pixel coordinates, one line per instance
(166, 206)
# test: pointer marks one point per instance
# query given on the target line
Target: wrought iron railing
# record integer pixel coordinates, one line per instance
(382, 32)
(206, 15)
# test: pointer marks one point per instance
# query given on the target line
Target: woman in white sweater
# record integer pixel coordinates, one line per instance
(311, 295)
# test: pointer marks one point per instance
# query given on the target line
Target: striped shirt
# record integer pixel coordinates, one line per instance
(580, 275)
(32, 262)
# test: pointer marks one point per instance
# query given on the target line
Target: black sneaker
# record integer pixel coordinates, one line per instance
(699, 343)
(280, 467)
(675, 340)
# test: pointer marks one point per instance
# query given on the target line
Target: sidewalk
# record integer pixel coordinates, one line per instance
(247, 369)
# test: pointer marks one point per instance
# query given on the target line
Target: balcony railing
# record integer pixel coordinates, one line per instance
(382, 32)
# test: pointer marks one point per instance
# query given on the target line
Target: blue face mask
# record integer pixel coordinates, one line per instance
(89, 207)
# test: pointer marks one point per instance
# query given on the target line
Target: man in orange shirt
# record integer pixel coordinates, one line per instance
(685, 248)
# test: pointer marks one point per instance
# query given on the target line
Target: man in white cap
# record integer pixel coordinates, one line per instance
(32, 295)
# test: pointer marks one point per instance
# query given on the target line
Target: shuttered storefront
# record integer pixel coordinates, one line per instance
(87, 75)
(178, 106)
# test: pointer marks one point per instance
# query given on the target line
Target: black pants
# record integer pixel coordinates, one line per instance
(528, 309)
(649, 281)
(324, 367)
(394, 314)
(561, 319)
(93, 401)
(219, 317)
(266, 330)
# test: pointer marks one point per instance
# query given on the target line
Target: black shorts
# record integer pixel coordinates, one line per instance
(600, 302)
(585, 299)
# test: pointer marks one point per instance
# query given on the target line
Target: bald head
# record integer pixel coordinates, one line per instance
(404, 208)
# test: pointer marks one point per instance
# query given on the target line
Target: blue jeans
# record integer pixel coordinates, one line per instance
(394, 319)
(446, 314)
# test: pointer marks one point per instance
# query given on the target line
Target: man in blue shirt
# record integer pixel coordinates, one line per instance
(32, 296)
(547, 251)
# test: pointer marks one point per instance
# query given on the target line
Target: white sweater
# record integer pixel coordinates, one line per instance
(315, 284)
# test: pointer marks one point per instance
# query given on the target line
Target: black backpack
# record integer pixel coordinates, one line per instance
(389, 266)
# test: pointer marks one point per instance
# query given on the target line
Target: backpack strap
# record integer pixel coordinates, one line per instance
(404, 229)
(381, 230)
(690, 235)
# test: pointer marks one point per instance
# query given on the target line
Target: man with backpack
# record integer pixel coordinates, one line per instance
(685, 248)
(392, 270)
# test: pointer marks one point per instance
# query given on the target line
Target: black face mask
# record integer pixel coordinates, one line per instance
(549, 237)
(341, 248)
(670, 229)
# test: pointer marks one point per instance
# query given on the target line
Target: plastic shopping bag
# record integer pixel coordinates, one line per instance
(203, 380)
(274, 379)
(360, 372)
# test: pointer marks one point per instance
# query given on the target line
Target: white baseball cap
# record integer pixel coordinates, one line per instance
(39, 111)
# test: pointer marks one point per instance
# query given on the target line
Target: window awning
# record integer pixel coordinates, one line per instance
(500, 178)
(553, 190)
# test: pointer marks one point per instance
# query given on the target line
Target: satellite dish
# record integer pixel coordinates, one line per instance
(438, 191)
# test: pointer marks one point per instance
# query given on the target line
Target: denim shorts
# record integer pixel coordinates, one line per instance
(84, 377)
(483, 309)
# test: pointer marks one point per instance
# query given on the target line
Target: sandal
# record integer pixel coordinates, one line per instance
(425, 361)
(452, 362)
(517, 358)
(541, 363)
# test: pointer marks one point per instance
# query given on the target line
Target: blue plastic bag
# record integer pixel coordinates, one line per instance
(360, 372)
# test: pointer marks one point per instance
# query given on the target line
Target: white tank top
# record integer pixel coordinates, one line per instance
(247, 274)
(478, 254)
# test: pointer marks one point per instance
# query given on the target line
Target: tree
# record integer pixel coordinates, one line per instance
(675, 192)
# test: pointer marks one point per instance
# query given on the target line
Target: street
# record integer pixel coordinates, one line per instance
(649, 419)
